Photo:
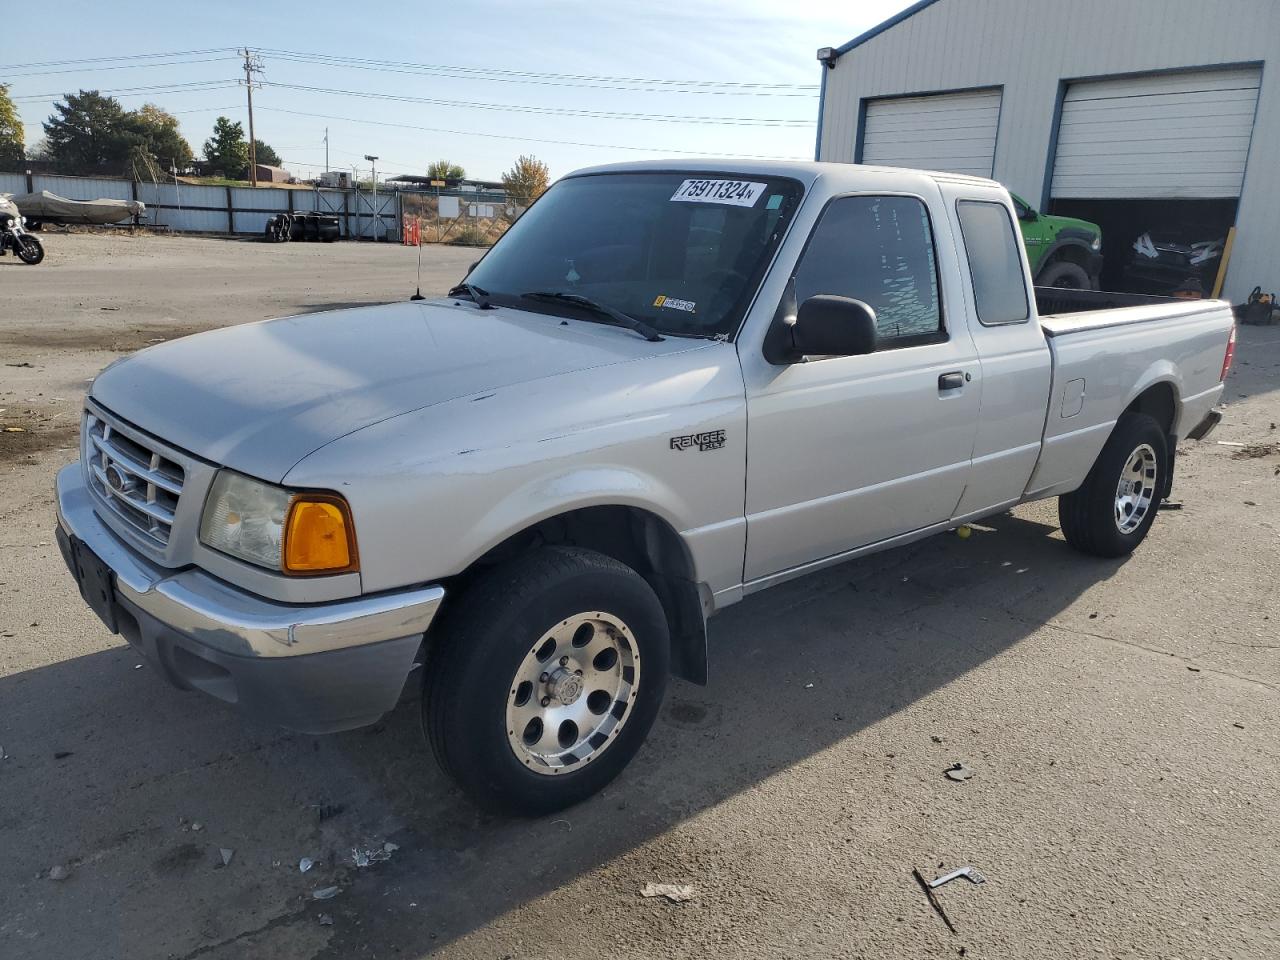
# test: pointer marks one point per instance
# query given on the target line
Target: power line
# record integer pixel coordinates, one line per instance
(126, 56)
(193, 86)
(500, 136)
(586, 81)
(121, 66)
(551, 111)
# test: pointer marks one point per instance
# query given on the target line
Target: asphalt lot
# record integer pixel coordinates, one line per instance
(1121, 720)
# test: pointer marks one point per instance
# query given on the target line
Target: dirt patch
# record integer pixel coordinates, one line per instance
(124, 340)
(25, 433)
(1256, 451)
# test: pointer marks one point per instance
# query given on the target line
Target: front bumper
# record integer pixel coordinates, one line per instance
(313, 668)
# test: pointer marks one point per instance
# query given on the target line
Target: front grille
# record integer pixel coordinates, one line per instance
(137, 483)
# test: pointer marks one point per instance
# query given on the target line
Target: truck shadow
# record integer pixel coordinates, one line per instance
(795, 670)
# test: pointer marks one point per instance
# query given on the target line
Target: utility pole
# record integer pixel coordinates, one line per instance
(252, 65)
(326, 149)
(377, 217)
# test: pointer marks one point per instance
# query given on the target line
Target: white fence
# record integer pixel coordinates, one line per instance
(203, 209)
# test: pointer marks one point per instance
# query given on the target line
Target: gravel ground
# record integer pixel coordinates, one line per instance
(1120, 719)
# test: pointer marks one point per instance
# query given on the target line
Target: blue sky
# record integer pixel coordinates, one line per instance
(713, 45)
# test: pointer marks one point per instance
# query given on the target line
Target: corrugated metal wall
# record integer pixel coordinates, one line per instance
(1030, 46)
(204, 209)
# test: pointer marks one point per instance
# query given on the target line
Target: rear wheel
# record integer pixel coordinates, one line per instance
(1065, 275)
(550, 673)
(1115, 506)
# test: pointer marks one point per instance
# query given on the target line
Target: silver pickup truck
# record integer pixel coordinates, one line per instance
(669, 386)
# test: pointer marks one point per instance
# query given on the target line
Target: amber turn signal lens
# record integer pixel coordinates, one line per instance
(319, 536)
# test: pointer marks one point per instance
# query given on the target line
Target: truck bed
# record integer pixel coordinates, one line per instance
(1105, 355)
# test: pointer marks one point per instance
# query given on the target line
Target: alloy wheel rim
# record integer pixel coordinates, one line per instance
(1136, 488)
(573, 692)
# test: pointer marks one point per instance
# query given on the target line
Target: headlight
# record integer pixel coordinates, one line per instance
(296, 532)
(1096, 245)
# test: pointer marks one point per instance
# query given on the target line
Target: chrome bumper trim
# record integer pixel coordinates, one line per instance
(225, 618)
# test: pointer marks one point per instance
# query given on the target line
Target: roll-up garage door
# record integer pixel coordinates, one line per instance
(1178, 135)
(955, 132)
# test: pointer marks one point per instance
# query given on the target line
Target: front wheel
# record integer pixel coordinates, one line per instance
(1111, 512)
(548, 675)
(30, 250)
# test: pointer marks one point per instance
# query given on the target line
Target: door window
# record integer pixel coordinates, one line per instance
(878, 250)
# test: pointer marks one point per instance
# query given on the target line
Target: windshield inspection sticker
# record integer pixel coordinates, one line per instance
(671, 303)
(737, 193)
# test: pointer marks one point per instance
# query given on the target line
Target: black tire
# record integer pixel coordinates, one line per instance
(484, 640)
(1089, 516)
(30, 250)
(1065, 275)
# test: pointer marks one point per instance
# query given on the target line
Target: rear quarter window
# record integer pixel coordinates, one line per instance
(991, 245)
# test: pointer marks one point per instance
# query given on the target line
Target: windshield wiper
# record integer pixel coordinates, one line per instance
(480, 296)
(617, 316)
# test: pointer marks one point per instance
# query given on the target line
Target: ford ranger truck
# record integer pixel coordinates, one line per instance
(667, 387)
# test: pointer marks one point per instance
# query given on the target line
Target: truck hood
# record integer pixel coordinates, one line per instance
(259, 397)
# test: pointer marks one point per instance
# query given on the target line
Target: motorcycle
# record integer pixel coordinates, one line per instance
(14, 237)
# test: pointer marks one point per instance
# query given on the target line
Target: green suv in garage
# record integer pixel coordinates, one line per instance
(1062, 251)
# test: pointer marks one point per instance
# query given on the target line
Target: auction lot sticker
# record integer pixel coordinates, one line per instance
(738, 193)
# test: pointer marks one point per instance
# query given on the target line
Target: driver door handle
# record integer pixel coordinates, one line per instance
(951, 381)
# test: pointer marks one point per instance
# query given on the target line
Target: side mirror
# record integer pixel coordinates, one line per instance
(1026, 213)
(830, 326)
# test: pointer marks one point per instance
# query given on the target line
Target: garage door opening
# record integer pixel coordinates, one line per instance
(1157, 246)
(1158, 162)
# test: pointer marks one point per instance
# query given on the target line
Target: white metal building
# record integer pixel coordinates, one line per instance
(1135, 114)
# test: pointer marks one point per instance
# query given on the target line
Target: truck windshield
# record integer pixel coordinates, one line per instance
(681, 252)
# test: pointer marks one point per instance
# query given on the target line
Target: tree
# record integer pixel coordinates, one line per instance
(226, 150)
(266, 155)
(155, 132)
(527, 180)
(445, 170)
(11, 142)
(88, 133)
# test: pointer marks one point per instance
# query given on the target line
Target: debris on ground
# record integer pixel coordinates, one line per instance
(958, 771)
(196, 825)
(19, 365)
(1230, 443)
(964, 531)
(1193, 669)
(325, 811)
(326, 920)
(932, 898)
(935, 738)
(62, 754)
(675, 892)
(325, 893)
(970, 874)
(58, 872)
(305, 864)
(15, 430)
(1238, 726)
(1169, 505)
(226, 853)
(364, 857)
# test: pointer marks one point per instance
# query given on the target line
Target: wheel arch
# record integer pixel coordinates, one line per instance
(1070, 249)
(642, 540)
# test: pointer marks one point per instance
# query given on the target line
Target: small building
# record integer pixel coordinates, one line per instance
(1159, 120)
(269, 174)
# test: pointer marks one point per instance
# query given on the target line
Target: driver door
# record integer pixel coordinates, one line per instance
(848, 451)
